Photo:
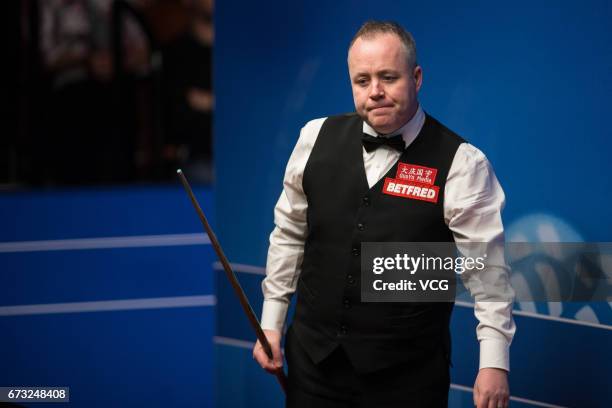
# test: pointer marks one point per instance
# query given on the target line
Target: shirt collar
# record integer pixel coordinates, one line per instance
(409, 130)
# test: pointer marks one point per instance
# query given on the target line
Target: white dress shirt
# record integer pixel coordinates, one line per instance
(473, 201)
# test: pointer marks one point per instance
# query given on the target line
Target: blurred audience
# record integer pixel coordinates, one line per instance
(123, 93)
(88, 140)
(188, 96)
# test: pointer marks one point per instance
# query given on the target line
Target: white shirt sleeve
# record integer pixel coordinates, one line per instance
(287, 240)
(472, 209)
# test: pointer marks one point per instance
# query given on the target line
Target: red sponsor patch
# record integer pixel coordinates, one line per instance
(416, 191)
(416, 174)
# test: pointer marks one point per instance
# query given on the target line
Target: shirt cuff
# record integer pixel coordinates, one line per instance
(273, 315)
(494, 354)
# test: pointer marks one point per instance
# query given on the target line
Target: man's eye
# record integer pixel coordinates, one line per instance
(362, 82)
(389, 78)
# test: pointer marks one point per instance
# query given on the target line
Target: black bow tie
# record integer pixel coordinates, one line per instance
(372, 143)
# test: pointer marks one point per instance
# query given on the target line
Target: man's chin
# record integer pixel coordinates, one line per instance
(381, 125)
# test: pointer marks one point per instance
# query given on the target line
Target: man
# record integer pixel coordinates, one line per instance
(342, 352)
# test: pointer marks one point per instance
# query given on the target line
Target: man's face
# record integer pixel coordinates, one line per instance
(384, 86)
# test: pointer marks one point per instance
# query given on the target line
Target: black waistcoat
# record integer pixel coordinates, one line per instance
(343, 212)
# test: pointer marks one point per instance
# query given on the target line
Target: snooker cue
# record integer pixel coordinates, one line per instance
(246, 306)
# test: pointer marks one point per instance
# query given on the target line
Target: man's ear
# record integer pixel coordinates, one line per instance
(417, 75)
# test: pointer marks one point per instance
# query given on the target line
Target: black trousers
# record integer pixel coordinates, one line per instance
(333, 383)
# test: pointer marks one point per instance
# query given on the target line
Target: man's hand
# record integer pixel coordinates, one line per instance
(271, 366)
(491, 388)
(200, 99)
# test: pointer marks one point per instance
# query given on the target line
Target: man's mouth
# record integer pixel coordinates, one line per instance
(379, 107)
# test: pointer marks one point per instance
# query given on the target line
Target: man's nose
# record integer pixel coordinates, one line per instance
(376, 90)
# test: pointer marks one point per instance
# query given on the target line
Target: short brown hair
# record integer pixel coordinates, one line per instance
(372, 28)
